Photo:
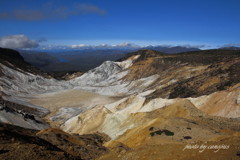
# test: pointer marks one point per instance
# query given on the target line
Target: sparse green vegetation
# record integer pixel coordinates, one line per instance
(159, 132)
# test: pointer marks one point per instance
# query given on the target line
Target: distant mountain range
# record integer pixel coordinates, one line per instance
(176, 49)
(72, 60)
(231, 48)
(85, 59)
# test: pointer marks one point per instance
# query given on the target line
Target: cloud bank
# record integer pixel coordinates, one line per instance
(124, 45)
(17, 42)
(119, 46)
(21, 41)
(51, 11)
(230, 45)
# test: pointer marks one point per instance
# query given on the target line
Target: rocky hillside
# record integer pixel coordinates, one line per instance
(14, 60)
(190, 74)
(22, 143)
(145, 101)
(165, 133)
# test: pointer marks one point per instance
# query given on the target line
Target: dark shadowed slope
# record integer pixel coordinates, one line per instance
(21, 143)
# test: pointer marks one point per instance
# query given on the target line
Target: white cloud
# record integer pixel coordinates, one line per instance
(131, 45)
(117, 46)
(87, 8)
(51, 11)
(75, 46)
(124, 45)
(17, 42)
(231, 45)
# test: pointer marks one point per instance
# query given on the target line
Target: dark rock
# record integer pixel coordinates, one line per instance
(187, 137)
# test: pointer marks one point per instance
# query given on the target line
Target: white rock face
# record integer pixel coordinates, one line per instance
(127, 63)
(66, 113)
(114, 116)
(105, 79)
(110, 117)
(156, 104)
(238, 99)
(112, 124)
(97, 75)
(199, 101)
(222, 103)
(14, 82)
(20, 87)
(18, 119)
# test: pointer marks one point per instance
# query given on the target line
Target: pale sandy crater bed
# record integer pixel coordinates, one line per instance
(74, 101)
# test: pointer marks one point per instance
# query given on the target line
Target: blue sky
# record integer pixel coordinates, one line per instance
(93, 22)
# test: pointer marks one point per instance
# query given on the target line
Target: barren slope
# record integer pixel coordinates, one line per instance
(164, 134)
(150, 106)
